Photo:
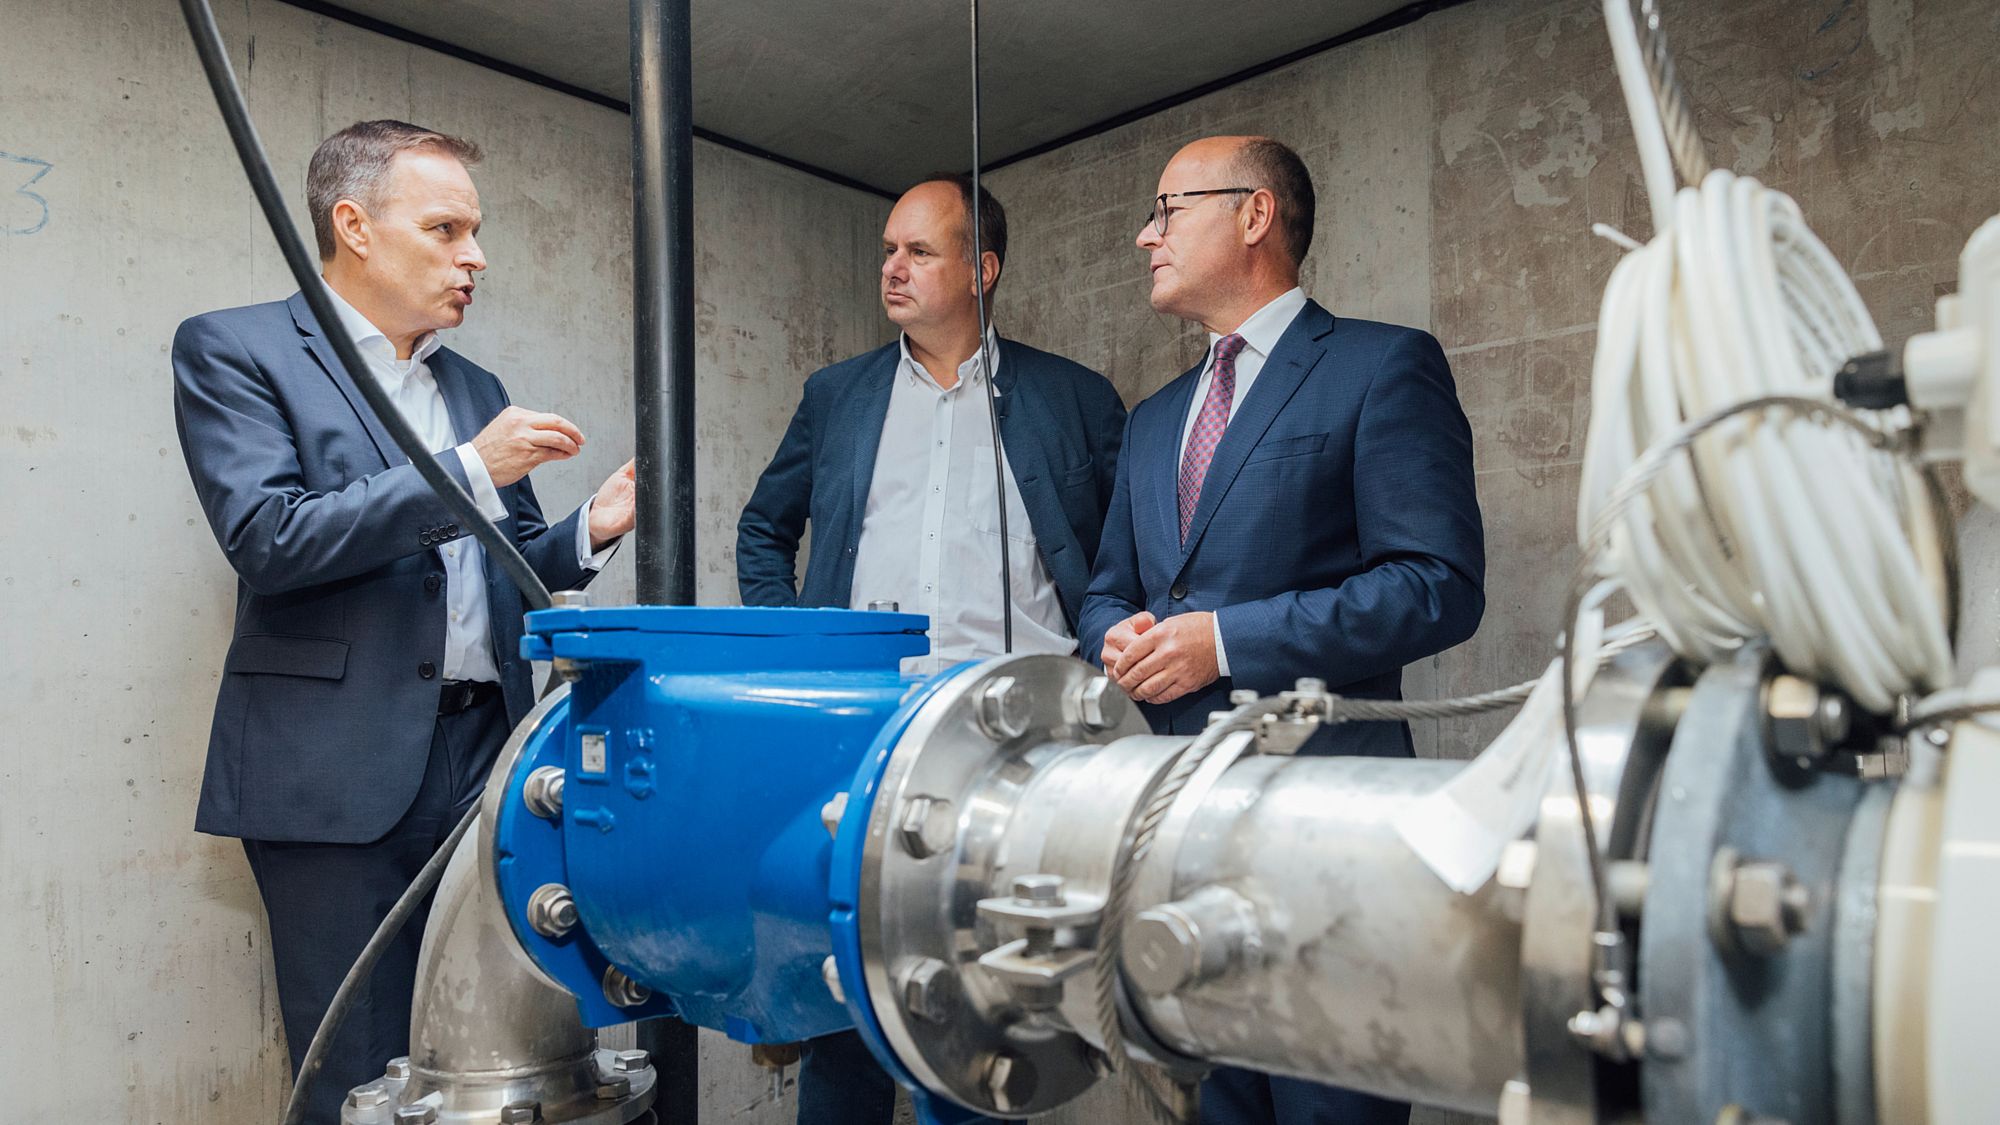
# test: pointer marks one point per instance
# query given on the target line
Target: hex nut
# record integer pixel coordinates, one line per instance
(623, 991)
(1310, 685)
(930, 990)
(615, 1087)
(1767, 906)
(1009, 1080)
(368, 1097)
(630, 1062)
(569, 599)
(831, 812)
(1240, 696)
(416, 1114)
(542, 792)
(928, 826)
(398, 1069)
(1162, 951)
(1100, 704)
(552, 910)
(1038, 889)
(1806, 722)
(1005, 708)
(520, 1113)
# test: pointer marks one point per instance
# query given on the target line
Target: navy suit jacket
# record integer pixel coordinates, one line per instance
(330, 691)
(1337, 535)
(1060, 423)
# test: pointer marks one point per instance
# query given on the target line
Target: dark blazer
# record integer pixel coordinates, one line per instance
(1060, 423)
(1338, 531)
(330, 690)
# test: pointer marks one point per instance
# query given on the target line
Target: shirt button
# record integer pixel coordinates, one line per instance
(427, 670)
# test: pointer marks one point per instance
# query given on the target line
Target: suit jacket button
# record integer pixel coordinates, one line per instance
(432, 583)
(1179, 591)
(451, 530)
(427, 670)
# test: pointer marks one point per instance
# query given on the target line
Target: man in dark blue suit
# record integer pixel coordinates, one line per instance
(375, 670)
(890, 458)
(1299, 504)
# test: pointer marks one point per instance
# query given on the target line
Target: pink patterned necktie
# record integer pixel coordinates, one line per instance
(1208, 427)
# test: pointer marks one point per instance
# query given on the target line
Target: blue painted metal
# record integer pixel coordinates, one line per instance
(699, 746)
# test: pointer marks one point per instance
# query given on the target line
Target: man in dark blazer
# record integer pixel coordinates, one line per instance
(375, 669)
(890, 459)
(1299, 504)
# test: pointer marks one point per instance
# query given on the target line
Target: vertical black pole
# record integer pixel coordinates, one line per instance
(663, 297)
(663, 389)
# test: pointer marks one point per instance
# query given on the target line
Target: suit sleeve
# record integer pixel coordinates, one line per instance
(774, 521)
(1421, 586)
(242, 454)
(1116, 591)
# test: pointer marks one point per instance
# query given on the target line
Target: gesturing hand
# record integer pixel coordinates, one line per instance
(614, 510)
(517, 441)
(1168, 660)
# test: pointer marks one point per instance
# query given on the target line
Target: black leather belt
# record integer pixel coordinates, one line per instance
(458, 695)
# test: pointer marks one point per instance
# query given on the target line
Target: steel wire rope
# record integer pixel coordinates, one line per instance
(986, 364)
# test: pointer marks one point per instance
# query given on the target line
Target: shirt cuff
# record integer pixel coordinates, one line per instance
(584, 558)
(483, 492)
(1221, 655)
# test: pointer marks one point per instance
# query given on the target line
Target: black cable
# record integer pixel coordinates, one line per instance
(986, 366)
(364, 965)
(257, 167)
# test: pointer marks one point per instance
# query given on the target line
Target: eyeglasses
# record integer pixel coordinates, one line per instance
(1159, 215)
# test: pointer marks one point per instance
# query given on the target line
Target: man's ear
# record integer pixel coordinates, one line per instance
(351, 228)
(989, 272)
(1258, 216)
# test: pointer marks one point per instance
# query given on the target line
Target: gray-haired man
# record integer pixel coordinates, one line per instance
(375, 669)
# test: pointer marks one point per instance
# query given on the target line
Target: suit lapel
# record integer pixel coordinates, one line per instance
(1299, 350)
(329, 361)
(1163, 475)
(467, 419)
(867, 410)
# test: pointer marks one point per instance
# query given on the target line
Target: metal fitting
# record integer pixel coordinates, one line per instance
(1766, 906)
(928, 826)
(368, 1097)
(417, 1114)
(543, 792)
(1039, 890)
(829, 971)
(1807, 722)
(567, 670)
(613, 1088)
(1609, 1032)
(1009, 1080)
(520, 1113)
(1056, 931)
(1239, 696)
(1100, 705)
(552, 910)
(930, 990)
(569, 599)
(1310, 685)
(881, 606)
(623, 991)
(1181, 943)
(831, 812)
(630, 1062)
(398, 1069)
(1005, 708)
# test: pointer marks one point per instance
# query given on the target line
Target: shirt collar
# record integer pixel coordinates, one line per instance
(968, 372)
(1267, 325)
(368, 338)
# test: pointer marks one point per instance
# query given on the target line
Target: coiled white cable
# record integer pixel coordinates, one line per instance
(1775, 525)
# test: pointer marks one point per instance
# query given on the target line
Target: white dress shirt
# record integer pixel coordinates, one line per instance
(468, 638)
(930, 538)
(1260, 334)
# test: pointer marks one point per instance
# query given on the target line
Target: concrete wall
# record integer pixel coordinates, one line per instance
(1460, 162)
(137, 984)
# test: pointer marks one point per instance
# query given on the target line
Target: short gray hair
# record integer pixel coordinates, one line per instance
(354, 164)
(1272, 165)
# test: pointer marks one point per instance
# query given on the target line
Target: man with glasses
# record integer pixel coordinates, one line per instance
(1299, 504)
(890, 458)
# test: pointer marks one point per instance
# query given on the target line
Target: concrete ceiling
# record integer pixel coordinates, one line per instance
(878, 90)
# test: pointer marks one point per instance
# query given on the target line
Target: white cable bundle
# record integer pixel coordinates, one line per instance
(1776, 524)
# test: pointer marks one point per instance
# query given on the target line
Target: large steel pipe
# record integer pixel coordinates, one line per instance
(1310, 941)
